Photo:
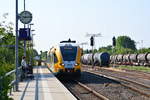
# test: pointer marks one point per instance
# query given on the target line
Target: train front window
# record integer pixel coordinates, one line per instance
(68, 53)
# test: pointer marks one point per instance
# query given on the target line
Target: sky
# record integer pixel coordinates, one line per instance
(57, 20)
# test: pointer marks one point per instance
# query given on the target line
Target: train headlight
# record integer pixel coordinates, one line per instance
(76, 64)
(62, 64)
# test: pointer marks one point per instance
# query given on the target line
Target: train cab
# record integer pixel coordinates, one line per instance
(65, 58)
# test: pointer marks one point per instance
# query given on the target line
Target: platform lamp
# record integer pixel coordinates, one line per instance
(31, 58)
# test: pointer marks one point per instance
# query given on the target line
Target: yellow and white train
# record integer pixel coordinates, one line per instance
(65, 58)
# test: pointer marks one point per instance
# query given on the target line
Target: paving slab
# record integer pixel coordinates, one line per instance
(44, 86)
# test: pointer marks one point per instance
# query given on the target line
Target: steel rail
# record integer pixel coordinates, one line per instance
(119, 79)
(131, 81)
(70, 89)
(92, 91)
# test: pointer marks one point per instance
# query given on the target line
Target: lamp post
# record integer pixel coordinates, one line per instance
(83, 43)
(141, 44)
(29, 25)
(32, 47)
(32, 38)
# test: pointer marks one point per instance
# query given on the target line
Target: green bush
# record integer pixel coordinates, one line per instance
(5, 81)
(7, 56)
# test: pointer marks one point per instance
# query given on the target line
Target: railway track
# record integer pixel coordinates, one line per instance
(105, 87)
(83, 92)
(145, 75)
(133, 85)
(139, 74)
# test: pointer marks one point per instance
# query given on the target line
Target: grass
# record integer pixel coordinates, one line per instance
(138, 68)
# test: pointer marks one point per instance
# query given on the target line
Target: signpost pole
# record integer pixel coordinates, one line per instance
(92, 44)
(24, 27)
(92, 57)
(25, 18)
(16, 48)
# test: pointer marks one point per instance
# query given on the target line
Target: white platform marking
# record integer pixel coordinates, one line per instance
(47, 94)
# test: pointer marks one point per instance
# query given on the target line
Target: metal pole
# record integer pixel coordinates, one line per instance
(29, 26)
(92, 57)
(141, 44)
(32, 50)
(93, 52)
(24, 47)
(24, 5)
(16, 47)
(24, 27)
(113, 56)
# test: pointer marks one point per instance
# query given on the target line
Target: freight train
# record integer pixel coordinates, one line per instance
(98, 59)
(131, 59)
(65, 58)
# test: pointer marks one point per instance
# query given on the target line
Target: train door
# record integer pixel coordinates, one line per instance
(52, 61)
(55, 59)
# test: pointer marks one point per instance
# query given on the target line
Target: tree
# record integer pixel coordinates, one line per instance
(6, 57)
(35, 53)
(124, 51)
(106, 49)
(43, 55)
(143, 50)
(125, 42)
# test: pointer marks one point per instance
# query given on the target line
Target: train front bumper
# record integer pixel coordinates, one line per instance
(69, 71)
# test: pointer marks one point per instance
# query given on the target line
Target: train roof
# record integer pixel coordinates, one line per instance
(68, 41)
(68, 44)
(65, 44)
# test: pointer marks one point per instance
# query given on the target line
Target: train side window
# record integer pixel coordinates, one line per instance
(51, 58)
(48, 57)
(55, 59)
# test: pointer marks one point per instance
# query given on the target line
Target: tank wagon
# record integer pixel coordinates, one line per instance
(84, 61)
(119, 59)
(65, 58)
(148, 59)
(99, 59)
(90, 59)
(126, 59)
(143, 59)
(131, 59)
(112, 59)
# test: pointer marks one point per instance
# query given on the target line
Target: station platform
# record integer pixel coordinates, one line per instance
(44, 86)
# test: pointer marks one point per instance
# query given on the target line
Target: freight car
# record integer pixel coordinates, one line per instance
(148, 59)
(126, 60)
(119, 59)
(143, 59)
(131, 59)
(99, 59)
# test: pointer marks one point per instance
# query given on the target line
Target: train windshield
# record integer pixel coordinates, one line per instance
(68, 53)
